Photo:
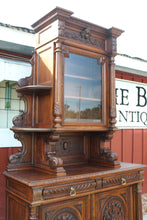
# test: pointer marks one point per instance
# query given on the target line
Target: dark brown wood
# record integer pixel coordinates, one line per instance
(64, 158)
(86, 192)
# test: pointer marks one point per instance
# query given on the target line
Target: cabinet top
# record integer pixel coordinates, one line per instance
(37, 178)
(65, 16)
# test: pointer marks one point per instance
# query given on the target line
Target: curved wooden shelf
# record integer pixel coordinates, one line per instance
(34, 88)
(23, 129)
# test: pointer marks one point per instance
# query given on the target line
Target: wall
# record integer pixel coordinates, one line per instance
(131, 144)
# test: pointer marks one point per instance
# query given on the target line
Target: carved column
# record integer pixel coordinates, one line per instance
(112, 93)
(138, 202)
(112, 51)
(58, 85)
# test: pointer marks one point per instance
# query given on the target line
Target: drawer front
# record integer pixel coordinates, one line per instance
(68, 189)
(74, 209)
(73, 189)
(122, 179)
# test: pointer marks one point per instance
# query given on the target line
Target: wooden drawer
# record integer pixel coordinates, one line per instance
(122, 179)
(71, 189)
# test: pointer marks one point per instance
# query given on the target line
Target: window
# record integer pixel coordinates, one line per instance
(82, 89)
(8, 96)
(10, 104)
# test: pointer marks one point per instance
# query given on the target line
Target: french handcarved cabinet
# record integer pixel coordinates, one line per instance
(63, 171)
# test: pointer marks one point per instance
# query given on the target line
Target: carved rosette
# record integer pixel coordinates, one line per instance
(67, 213)
(114, 209)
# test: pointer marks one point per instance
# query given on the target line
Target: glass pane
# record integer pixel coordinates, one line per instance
(7, 114)
(82, 89)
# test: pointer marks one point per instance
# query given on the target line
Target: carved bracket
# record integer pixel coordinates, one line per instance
(22, 159)
(20, 119)
(107, 155)
(55, 163)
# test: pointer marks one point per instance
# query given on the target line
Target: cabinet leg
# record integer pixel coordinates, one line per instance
(33, 213)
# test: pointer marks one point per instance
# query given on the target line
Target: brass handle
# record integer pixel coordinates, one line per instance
(72, 191)
(123, 181)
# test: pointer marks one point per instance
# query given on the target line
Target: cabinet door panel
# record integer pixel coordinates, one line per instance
(75, 209)
(114, 205)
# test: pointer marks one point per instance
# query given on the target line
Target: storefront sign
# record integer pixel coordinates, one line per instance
(131, 104)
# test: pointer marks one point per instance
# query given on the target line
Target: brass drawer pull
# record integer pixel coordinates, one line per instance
(123, 181)
(72, 191)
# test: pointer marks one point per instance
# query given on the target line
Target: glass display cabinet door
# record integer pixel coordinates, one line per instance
(82, 89)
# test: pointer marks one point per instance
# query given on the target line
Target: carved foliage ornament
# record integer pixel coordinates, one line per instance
(84, 36)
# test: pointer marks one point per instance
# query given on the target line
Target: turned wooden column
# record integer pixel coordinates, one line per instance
(33, 213)
(112, 93)
(138, 204)
(58, 85)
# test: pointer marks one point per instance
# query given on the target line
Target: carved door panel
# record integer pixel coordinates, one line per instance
(114, 205)
(75, 209)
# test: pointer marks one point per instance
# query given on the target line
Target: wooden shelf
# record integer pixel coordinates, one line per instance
(19, 129)
(34, 88)
(67, 129)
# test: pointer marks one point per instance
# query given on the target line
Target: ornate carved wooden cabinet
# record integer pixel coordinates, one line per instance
(64, 172)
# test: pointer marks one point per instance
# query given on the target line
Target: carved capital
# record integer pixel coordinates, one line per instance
(37, 194)
(101, 60)
(65, 51)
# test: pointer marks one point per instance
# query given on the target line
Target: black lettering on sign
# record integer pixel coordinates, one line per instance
(141, 94)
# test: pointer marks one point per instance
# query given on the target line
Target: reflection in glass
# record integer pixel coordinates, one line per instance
(82, 89)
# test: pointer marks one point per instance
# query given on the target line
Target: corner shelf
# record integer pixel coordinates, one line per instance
(34, 88)
(23, 129)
